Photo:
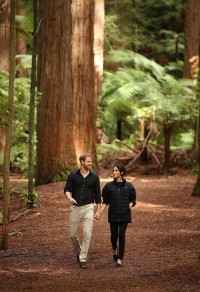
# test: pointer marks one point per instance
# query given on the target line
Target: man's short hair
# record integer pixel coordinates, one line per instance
(84, 156)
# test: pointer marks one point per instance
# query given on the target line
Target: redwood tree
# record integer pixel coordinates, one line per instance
(83, 76)
(55, 148)
(66, 79)
(192, 34)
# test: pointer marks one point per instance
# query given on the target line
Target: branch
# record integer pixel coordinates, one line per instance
(143, 146)
(120, 142)
(21, 214)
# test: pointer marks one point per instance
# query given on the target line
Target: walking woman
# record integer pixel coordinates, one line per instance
(120, 196)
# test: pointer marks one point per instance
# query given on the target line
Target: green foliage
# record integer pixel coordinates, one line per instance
(13, 233)
(149, 27)
(144, 90)
(61, 176)
(183, 141)
(114, 147)
(19, 151)
(22, 192)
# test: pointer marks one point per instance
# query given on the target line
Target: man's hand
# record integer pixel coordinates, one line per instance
(72, 201)
(97, 215)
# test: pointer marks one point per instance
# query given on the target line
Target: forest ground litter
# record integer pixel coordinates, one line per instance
(162, 243)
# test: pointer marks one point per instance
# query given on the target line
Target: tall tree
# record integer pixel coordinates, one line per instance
(20, 41)
(83, 76)
(4, 52)
(4, 34)
(192, 34)
(55, 148)
(66, 78)
(32, 110)
(6, 166)
(196, 190)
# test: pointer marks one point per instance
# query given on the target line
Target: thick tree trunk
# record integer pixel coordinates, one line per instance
(6, 166)
(83, 77)
(55, 149)
(66, 78)
(192, 32)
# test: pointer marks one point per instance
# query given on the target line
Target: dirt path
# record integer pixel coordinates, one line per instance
(162, 248)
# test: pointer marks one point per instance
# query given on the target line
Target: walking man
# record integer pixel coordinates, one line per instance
(82, 189)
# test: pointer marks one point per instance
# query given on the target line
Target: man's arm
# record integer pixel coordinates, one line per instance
(98, 212)
(69, 197)
(68, 189)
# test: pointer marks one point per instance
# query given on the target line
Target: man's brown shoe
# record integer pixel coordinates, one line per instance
(83, 265)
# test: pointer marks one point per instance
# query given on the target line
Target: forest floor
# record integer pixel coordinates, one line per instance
(162, 243)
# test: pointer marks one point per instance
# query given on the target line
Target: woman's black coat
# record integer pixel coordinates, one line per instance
(118, 199)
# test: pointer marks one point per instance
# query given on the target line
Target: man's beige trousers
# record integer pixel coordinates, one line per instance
(77, 215)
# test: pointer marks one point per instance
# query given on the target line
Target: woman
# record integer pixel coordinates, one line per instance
(120, 196)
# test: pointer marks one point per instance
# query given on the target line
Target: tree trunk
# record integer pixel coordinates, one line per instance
(6, 173)
(145, 152)
(66, 78)
(83, 77)
(167, 138)
(30, 202)
(4, 34)
(119, 130)
(20, 43)
(192, 32)
(196, 191)
(98, 45)
(55, 148)
(4, 52)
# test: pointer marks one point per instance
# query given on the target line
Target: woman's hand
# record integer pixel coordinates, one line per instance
(132, 204)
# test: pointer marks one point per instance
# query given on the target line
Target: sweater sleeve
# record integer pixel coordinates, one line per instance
(68, 184)
(97, 192)
(105, 195)
(132, 197)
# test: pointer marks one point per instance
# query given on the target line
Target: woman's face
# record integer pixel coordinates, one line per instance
(116, 172)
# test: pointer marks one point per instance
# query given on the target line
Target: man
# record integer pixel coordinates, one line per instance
(82, 189)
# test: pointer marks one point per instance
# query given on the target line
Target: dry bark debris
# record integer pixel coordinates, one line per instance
(162, 243)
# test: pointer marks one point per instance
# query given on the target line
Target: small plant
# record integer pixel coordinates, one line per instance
(24, 195)
(61, 176)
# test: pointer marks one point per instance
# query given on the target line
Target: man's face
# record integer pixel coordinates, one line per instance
(87, 164)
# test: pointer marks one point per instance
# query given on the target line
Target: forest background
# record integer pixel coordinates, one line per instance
(119, 80)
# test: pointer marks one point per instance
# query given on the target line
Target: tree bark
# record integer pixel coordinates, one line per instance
(55, 148)
(30, 202)
(4, 52)
(196, 190)
(66, 78)
(98, 44)
(4, 34)
(6, 166)
(83, 77)
(20, 43)
(192, 32)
